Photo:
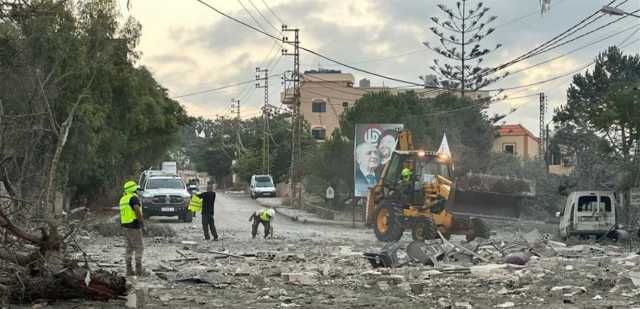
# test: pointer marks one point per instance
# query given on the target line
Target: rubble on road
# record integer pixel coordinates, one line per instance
(528, 271)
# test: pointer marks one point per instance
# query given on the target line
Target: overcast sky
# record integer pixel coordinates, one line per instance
(190, 48)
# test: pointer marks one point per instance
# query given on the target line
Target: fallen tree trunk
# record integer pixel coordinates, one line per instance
(72, 283)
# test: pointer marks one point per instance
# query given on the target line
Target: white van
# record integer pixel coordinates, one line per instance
(588, 213)
(262, 185)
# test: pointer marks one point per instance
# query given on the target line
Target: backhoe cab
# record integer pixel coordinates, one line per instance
(419, 204)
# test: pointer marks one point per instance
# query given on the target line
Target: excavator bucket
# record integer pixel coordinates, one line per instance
(490, 196)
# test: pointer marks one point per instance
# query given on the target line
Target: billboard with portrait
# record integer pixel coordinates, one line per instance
(373, 145)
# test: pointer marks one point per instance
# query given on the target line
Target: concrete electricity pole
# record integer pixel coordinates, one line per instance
(295, 190)
(542, 137)
(262, 81)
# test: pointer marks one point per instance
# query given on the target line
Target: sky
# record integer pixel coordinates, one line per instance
(190, 48)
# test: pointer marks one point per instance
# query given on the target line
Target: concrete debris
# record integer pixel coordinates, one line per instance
(465, 305)
(533, 237)
(386, 257)
(349, 268)
(635, 278)
(299, 278)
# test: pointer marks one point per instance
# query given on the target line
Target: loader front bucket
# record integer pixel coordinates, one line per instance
(490, 196)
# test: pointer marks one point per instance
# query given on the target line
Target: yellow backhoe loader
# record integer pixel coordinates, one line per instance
(421, 203)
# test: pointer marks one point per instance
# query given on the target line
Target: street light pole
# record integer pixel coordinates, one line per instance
(609, 10)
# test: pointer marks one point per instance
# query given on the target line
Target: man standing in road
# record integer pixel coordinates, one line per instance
(132, 221)
(207, 200)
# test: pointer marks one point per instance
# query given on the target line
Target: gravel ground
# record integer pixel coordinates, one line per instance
(317, 266)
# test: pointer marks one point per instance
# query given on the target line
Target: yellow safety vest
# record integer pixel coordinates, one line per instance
(127, 215)
(264, 216)
(196, 203)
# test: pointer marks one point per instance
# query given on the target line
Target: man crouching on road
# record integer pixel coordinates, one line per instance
(132, 222)
(263, 216)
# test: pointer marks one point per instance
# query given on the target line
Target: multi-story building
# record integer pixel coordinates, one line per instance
(326, 94)
(517, 140)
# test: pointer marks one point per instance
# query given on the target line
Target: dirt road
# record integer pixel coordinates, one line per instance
(313, 266)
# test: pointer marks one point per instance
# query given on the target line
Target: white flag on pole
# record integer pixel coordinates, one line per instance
(444, 146)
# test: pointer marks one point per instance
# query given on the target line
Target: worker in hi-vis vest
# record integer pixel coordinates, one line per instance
(132, 221)
(264, 217)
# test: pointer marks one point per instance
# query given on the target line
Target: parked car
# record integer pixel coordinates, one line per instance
(589, 213)
(166, 196)
(149, 173)
(262, 185)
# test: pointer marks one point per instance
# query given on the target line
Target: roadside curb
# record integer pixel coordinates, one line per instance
(278, 210)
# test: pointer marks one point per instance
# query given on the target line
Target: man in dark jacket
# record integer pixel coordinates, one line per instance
(208, 201)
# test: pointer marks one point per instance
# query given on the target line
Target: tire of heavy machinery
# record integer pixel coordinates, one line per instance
(479, 228)
(386, 226)
(424, 229)
(188, 216)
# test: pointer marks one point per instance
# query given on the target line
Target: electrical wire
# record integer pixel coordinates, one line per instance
(511, 21)
(272, 12)
(251, 15)
(546, 44)
(602, 39)
(309, 50)
(555, 77)
(214, 89)
(264, 18)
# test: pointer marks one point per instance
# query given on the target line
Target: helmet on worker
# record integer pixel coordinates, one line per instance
(406, 174)
(130, 187)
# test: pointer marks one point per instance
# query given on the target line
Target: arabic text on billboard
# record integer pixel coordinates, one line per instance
(373, 146)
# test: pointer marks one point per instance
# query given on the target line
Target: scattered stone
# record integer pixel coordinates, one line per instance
(299, 278)
(383, 286)
(635, 278)
(533, 237)
(417, 288)
(507, 304)
(597, 297)
(519, 258)
(465, 305)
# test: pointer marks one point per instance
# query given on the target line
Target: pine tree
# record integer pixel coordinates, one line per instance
(460, 38)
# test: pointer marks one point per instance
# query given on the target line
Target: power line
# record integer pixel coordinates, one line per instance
(214, 89)
(511, 21)
(573, 51)
(585, 34)
(555, 77)
(544, 45)
(251, 15)
(272, 12)
(309, 50)
(264, 18)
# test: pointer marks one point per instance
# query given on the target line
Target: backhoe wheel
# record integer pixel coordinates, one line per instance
(424, 229)
(479, 228)
(386, 226)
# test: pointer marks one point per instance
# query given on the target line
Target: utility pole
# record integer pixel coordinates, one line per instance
(295, 190)
(262, 81)
(542, 137)
(235, 109)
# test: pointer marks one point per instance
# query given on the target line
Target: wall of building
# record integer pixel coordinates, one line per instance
(335, 95)
(526, 147)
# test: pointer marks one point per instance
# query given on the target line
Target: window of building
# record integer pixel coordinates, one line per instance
(318, 106)
(509, 148)
(318, 133)
(345, 104)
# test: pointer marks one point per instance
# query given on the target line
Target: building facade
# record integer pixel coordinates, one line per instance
(516, 140)
(326, 94)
